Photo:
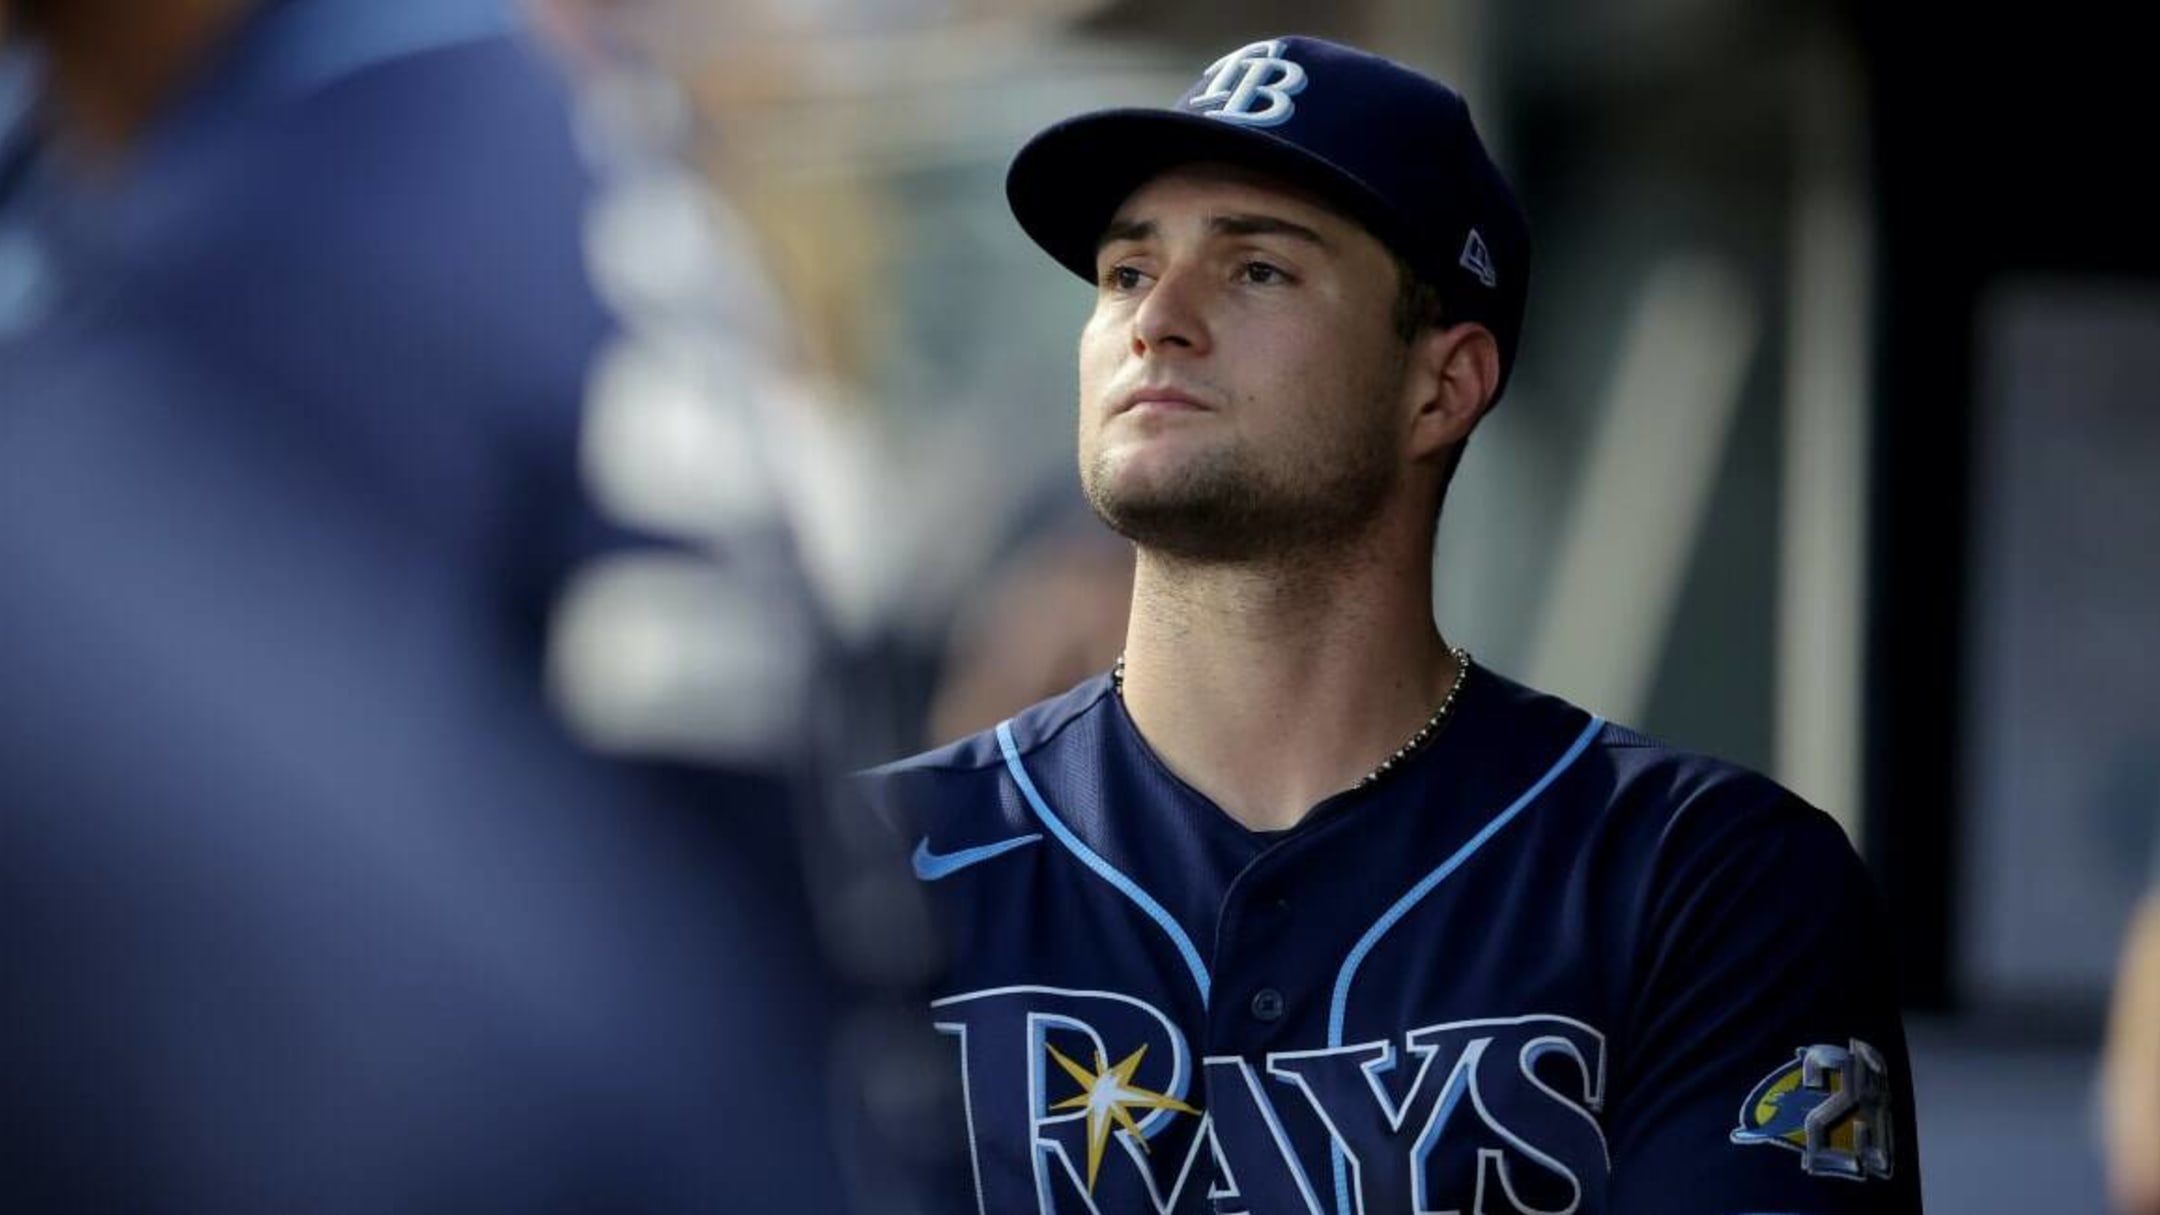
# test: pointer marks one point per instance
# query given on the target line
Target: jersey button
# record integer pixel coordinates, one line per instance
(1267, 1004)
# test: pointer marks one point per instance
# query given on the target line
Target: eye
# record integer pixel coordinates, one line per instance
(1263, 273)
(1121, 278)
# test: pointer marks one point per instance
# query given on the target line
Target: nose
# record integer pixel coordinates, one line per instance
(1173, 315)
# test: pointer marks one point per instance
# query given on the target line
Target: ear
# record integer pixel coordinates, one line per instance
(1452, 375)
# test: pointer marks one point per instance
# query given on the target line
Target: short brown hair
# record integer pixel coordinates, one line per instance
(1418, 305)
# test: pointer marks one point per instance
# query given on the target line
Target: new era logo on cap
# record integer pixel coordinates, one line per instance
(1477, 260)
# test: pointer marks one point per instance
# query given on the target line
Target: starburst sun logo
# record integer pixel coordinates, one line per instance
(1109, 1097)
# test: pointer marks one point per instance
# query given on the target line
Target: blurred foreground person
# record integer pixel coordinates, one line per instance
(313, 903)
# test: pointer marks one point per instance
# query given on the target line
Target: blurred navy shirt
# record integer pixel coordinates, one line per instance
(307, 899)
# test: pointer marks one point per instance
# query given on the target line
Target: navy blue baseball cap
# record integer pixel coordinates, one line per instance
(1391, 148)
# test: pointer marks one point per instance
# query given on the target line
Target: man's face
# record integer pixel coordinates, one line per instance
(1240, 378)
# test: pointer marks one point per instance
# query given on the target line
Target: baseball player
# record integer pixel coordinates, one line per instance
(1299, 908)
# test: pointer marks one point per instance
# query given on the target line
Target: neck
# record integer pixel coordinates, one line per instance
(1271, 687)
(112, 64)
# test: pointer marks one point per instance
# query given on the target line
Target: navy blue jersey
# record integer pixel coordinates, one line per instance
(1546, 965)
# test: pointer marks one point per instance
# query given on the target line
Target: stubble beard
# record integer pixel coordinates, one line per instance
(1226, 507)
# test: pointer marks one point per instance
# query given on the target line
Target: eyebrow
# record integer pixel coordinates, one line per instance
(1221, 225)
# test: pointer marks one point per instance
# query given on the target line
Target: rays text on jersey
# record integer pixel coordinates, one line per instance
(1490, 1115)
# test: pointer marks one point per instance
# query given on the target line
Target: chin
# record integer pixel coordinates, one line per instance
(1146, 476)
(1163, 455)
(1191, 505)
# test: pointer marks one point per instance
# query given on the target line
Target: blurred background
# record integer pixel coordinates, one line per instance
(1834, 447)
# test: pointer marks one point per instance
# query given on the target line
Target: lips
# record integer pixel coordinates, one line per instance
(1162, 400)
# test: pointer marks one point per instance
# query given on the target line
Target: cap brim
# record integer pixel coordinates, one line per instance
(1068, 182)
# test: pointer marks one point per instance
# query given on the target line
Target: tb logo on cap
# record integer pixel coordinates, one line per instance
(1247, 77)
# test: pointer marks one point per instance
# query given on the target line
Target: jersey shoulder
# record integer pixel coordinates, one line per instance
(966, 788)
(1644, 768)
(1628, 784)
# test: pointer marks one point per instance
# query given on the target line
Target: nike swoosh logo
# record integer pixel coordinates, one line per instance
(931, 866)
